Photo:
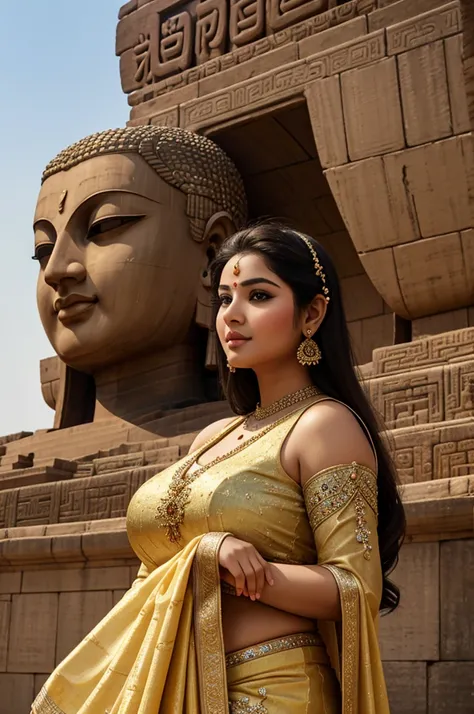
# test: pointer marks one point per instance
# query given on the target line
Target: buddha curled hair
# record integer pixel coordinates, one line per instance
(189, 162)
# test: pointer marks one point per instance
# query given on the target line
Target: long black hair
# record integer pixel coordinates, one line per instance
(286, 254)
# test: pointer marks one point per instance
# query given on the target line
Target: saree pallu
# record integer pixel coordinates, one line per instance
(160, 649)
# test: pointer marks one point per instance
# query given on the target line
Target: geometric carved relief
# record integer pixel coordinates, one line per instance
(284, 82)
(409, 399)
(429, 351)
(459, 390)
(424, 453)
(424, 29)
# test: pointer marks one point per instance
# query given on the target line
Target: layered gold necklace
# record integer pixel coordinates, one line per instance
(288, 400)
(171, 511)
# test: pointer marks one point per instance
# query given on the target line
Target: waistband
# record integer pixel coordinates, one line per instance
(280, 644)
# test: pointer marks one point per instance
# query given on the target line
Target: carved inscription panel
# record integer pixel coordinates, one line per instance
(163, 38)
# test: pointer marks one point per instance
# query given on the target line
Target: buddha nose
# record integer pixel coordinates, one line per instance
(66, 262)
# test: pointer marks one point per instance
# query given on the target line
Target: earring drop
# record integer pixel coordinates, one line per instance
(308, 352)
(230, 368)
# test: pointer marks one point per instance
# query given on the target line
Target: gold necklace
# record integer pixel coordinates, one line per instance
(171, 511)
(288, 400)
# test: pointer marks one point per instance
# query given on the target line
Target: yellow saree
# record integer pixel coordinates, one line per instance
(161, 650)
(149, 653)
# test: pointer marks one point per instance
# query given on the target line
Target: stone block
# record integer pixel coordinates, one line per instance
(10, 582)
(432, 274)
(333, 37)
(372, 113)
(435, 178)
(5, 610)
(424, 92)
(424, 29)
(118, 595)
(373, 204)
(451, 688)
(40, 680)
(376, 332)
(410, 399)
(88, 608)
(457, 604)
(169, 117)
(436, 324)
(17, 692)
(31, 647)
(392, 12)
(67, 580)
(114, 544)
(325, 111)
(456, 85)
(380, 266)
(360, 298)
(417, 616)
(406, 686)
(344, 256)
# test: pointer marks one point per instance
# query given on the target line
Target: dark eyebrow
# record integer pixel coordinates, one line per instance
(251, 281)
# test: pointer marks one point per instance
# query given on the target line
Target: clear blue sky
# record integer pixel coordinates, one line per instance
(59, 81)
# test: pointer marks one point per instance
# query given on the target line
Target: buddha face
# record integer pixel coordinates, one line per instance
(119, 271)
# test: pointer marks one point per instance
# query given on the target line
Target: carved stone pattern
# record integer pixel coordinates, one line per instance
(168, 118)
(38, 505)
(430, 351)
(407, 401)
(172, 44)
(283, 82)
(211, 29)
(246, 21)
(453, 458)
(413, 462)
(246, 25)
(110, 499)
(142, 51)
(459, 390)
(431, 26)
(282, 13)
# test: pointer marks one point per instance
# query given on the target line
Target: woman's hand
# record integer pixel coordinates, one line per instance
(248, 570)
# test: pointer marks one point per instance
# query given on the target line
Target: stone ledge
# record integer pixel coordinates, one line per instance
(435, 511)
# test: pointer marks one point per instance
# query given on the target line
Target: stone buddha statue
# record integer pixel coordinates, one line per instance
(125, 226)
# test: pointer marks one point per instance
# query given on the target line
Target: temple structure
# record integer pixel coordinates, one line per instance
(353, 121)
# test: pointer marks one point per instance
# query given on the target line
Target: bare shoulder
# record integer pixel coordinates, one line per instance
(209, 432)
(329, 434)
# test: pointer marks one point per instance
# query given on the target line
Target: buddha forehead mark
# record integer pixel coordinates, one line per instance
(126, 174)
(62, 201)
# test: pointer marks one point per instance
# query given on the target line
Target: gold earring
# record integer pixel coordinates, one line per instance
(308, 352)
(230, 368)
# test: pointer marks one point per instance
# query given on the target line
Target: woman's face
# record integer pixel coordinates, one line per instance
(256, 319)
(118, 272)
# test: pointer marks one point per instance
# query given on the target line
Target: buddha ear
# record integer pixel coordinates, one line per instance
(218, 228)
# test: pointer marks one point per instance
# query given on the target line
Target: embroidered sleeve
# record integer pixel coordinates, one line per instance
(331, 490)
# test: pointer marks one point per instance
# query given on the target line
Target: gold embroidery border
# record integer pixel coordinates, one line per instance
(349, 594)
(365, 484)
(209, 638)
(43, 704)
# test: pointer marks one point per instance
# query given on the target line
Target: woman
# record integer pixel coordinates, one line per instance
(293, 505)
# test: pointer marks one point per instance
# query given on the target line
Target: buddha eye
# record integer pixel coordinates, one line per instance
(43, 250)
(112, 223)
